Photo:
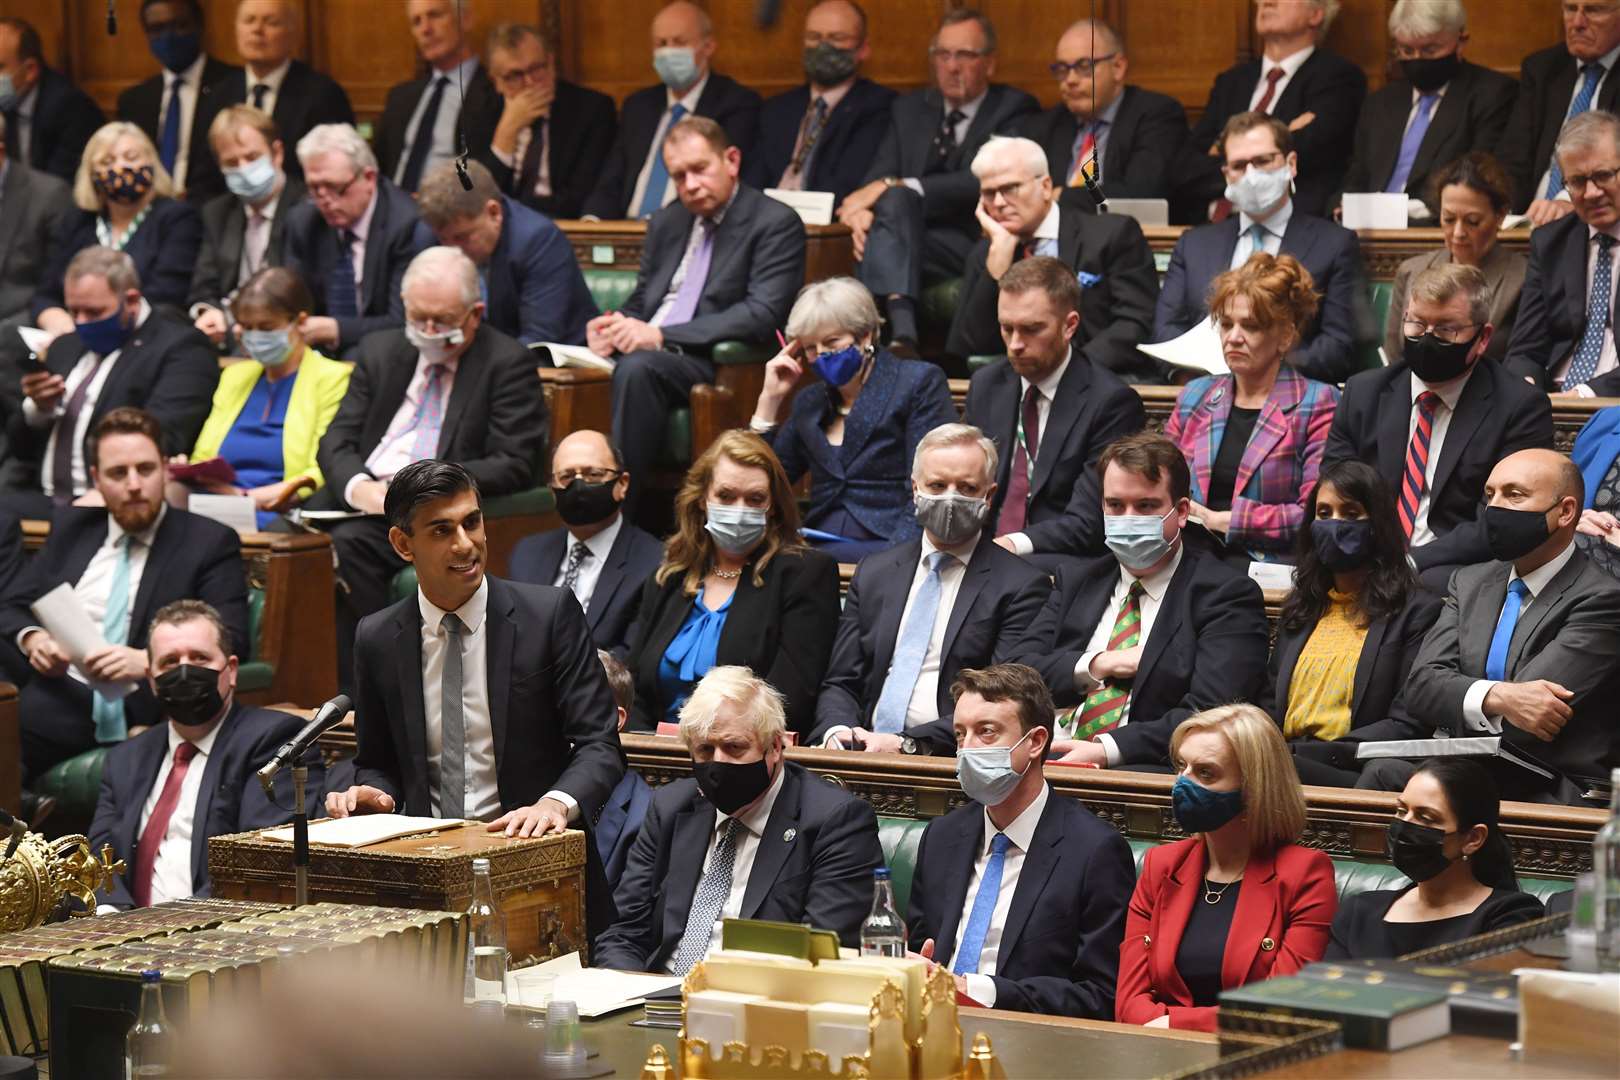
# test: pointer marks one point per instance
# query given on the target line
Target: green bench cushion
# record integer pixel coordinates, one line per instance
(938, 304)
(74, 783)
(254, 674)
(609, 288)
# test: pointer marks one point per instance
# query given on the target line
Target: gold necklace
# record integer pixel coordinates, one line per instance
(1213, 896)
(725, 575)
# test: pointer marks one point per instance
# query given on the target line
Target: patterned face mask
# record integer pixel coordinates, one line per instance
(123, 183)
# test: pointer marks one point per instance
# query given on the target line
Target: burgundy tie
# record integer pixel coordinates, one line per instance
(157, 826)
(1223, 208)
(1015, 505)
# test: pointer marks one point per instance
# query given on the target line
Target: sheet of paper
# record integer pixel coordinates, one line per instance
(1272, 575)
(1145, 211)
(1374, 210)
(574, 356)
(62, 615)
(330, 515)
(1481, 745)
(813, 207)
(363, 830)
(1199, 349)
(237, 511)
(597, 991)
(36, 339)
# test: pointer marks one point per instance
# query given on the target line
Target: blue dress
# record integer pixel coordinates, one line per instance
(253, 446)
(690, 654)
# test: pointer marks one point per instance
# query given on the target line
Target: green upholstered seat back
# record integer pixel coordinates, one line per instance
(938, 306)
(900, 838)
(254, 674)
(1379, 294)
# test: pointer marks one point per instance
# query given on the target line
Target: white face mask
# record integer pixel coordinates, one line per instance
(1258, 191)
(434, 347)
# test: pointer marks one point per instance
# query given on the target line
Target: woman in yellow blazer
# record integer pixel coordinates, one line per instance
(270, 411)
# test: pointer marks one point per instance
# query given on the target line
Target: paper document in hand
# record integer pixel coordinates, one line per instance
(238, 512)
(363, 830)
(62, 615)
(1199, 349)
(37, 340)
(574, 356)
(597, 991)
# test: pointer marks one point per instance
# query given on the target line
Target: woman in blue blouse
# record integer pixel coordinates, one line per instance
(858, 429)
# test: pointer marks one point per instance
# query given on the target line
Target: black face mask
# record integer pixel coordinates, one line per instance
(731, 785)
(1342, 545)
(189, 694)
(1416, 850)
(584, 503)
(1431, 75)
(1436, 361)
(1512, 534)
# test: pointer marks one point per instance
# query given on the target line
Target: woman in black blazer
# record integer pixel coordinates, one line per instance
(736, 586)
(123, 195)
(1351, 626)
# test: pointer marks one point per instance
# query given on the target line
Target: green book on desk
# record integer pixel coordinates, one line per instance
(1373, 1017)
(1482, 1002)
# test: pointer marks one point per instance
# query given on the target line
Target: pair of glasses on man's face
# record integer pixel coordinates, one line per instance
(590, 476)
(1451, 335)
(1083, 66)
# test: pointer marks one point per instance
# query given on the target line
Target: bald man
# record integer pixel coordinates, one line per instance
(601, 557)
(1527, 646)
(635, 182)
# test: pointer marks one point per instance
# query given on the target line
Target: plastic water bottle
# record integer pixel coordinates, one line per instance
(1606, 869)
(884, 932)
(149, 1049)
(486, 952)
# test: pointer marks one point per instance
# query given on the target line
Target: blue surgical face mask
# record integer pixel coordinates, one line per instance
(1137, 540)
(252, 180)
(8, 92)
(986, 773)
(1258, 191)
(104, 336)
(176, 49)
(737, 530)
(837, 368)
(272, 348)
(1200, 810)
(676, 66)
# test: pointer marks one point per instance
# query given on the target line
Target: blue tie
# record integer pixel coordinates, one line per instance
(109, 714)
(1591, 75)
(169, 139)
(652, 200)
(1410, 143)
(1496, 659)
(1583, 365)
(984, 906)
(909, 650)
(342, 292)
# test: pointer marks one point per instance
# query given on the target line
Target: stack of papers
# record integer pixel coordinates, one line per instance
(597, 991)
(363, 830)
(62, 615)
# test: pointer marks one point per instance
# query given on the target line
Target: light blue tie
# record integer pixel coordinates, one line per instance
(652, 200)
(1410, 143)
(1496, 659)
(909, 650)
(1257, 233)
(109, 715)
(1591, 75)
(1583, 365)
(984, 906)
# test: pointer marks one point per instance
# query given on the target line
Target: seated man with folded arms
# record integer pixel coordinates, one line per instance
(622, 814)
(721, 263)
(918, 613)
(1021, 892)
(1158, 629)
(749, 836)
(123, 561)
(1525, 646)
(192, 775)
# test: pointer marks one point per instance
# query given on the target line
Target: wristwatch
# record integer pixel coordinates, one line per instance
(892, 181)
(908, 745)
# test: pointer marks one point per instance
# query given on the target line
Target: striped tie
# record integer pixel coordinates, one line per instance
(1415, 482)
(1105, 706)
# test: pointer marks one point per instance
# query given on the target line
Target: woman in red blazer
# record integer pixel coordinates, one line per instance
(1239, 900)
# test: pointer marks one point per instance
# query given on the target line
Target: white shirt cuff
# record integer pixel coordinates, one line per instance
(34, 416)
(23, 634)
(913, 183)
(348, 489)
(760, 427)
(1083, 679)
(981, 988)
(835, 738)
(1474, 708)
(509, 160)
(1585, 391)
(567, 800)
(1111, 750)
(1022, 545)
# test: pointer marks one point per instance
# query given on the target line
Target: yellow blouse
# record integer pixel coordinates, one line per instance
(1324, 681)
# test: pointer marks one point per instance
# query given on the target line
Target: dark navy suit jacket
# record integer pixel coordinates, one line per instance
(229, 801)
(814, 864)
(306, 98)
(164, 250)
(1059, 951)
(869, 474)
(64, 118)
(1330, 252)
(536, 290)
(617, 596)
(1552, 305)
(579, 134)
(620, 823)
(855, 127)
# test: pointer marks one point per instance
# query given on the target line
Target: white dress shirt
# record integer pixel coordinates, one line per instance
(1608, 61)
(1045, 392)
(1536, 580)
(188, 112)
(1290, 67)
(690, 101)
(753, 824)
(36, 417)
(1021, 832)
(483, 796)
(1271, 233)
(396, 449)
(968, 109)
(794, 181)
(520, 149)
(694, 240)
(1154, 586)
(1607, 359)
(1450, 393)
(171, 871)
(272, 81)
(445, 123)
(590, 568)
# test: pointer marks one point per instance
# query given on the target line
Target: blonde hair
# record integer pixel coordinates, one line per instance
(105, 138)
(759, 702)
(1273, 801)
(233, 118)
(691, 549)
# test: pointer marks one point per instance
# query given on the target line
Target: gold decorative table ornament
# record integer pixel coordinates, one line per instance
(42, 873)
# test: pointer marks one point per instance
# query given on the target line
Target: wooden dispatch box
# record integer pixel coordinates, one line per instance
(539, 882)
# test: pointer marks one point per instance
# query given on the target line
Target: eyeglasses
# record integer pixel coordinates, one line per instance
(1263, 162)
(320, 191)
(1576, 182)
(1083, 66)
(1594, 12)
(1451, 335)
(961, 56)
(590, 476)
(515, 79)
(1005, 191)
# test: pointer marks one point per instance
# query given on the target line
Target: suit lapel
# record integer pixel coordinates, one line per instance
(812, 435)
(1370, 647)
(1394, 418)
(669, 260)
(1271, 425)
(214, 764)
(1039, 861)
(1172, 609)
(1003, 407)
(871, 406)
(1060, 418)
(975, 576)
(148, 761)
(1255, 912)
(1474, 634)
(731, 236)
(1299, 237)
(376, 248)
(774, 843)
(1472, 408)
(897, 568)
(413, 713)
(1551, 597)
(1207, 426)
(501, 620)
(469, 374)
(607, 582)
(162, 552)
(1181, 888)
(961, 851)
(231, 242)
(14, 200)
(1288, 651)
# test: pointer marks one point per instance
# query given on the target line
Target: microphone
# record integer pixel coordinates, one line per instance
(112, 17)
(18, 828)
(1093, 188)
(293, 749)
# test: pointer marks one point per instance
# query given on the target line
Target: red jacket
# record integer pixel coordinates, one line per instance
(1284, 913)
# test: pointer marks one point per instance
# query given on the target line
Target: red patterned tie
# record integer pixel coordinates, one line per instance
(1415, 482)
(157, 826)
(1015, 505)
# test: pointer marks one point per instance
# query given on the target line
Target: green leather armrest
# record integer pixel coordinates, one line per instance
(730, 353)
(535, 500)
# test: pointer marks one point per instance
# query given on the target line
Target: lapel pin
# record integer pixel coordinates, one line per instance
(1266, 944)
(787, 836)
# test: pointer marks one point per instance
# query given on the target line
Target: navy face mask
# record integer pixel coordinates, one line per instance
(837, 368)
(1340, 544)
(103, 336)
(1199, 810)
(176, 49)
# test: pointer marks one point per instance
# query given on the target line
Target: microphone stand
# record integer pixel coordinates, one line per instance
(300, 773)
